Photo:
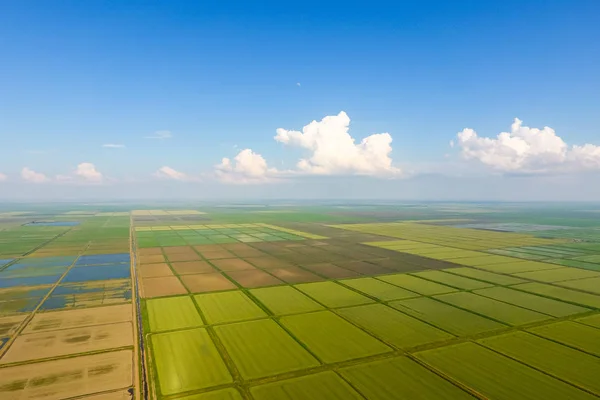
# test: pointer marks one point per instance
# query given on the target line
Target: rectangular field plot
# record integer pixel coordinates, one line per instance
(533, 302)
(332, 338)
(380, 290)
(88, 294)
(324, 385)
(162, 286)
(223, 394)
(154, 270)
(393, 327)
(97, 273)
(272, 352)
(254, 278)
(589, 285)
(29, 281)
(559, 293)
(211, 282)
(417, 285)
(193, 267)
(333, 295)
(98, 259)
(592, 320)
(400, 378)
(79, 318)
(559, 274)
(452, 280)
(485, 276)
(295, 275)
(226, 307)
(72, 377)
(496, 376)
(69, 341)
(446, 317)
(552, 358)
(170, 313)
(32, 271)
(282, 300)
(579, 336)
(187, 360)
(491, 308)
(518, 266)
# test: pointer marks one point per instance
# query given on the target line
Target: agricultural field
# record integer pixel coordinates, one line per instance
(209, 302)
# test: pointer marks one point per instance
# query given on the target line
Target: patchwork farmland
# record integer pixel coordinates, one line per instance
(235, 303)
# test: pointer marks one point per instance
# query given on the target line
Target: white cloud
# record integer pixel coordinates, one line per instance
(3, 177)
(88, 172)
(527, 150)
(298, 84)
(113, 146)
(32, 176)
(246, 167)
(169, 173)
(160, 135)
(334, 151)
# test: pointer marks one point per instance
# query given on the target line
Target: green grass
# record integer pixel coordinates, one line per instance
(262, 348)
(560, 293)
(331, 338)
(172, 313)
(187, 360)
(485, 276)
(393, 327)
(451, 319)
(452, 280)
(400, 378)
(497, 310)
(496, 376)
(579, 336)
(324, 385)
(282, 300)
(557, 360)
(558, 274)
(530, 301)
(333, 295)
(416, 284)
(381, 290)
(225, 307)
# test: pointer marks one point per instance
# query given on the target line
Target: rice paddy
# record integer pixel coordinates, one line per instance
(220, 303)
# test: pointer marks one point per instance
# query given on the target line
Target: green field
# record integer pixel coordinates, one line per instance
(172, 313)
(331, 338)
(225, 307)
(262, 348)
(496, 376)
(300, 302)
(393, 327)
(187, 360)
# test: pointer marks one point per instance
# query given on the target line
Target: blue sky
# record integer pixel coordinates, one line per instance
(222, 77)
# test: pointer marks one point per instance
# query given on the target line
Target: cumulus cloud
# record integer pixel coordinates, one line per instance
(246, 167)
(527, 150)
(88, 172)
(160, 135)
(334, 151)
(3, 177)
(169, 173)
(113, 146)
(32, 176)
